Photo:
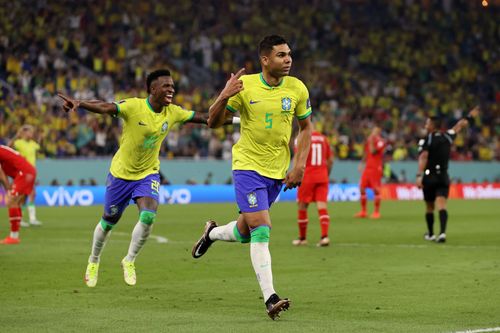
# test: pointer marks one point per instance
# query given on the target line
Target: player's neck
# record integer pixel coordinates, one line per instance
(157, 107)
(271, 80)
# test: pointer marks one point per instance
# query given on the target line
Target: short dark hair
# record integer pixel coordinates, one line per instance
(154, 75)
(267, 43)
(436, 120)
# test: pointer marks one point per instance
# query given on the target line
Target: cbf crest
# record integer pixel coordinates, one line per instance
(286, 103)
(252, 199)
(164, 127)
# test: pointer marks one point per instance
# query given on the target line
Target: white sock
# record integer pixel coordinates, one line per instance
(139, 237)
(100, 236)
(14, 234)
(224, 232)
(32, 213)
(261, 261)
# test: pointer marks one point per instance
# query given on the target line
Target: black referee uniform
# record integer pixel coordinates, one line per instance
(435, 181)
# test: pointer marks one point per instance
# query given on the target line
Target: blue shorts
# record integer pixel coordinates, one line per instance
(255, 192)
(119, 192)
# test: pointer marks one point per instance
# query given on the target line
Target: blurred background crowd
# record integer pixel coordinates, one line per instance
(390, 62)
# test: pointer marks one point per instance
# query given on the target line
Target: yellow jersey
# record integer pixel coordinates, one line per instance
(27, 149)
(143, 132)
(266, 114)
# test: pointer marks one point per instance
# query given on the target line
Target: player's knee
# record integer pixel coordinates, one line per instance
(106, 225)
(260, 234)
(239, 237)
(147, 217)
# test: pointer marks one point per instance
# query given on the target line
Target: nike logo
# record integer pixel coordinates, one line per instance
(142, 124)
(197, 252)
(254, 102)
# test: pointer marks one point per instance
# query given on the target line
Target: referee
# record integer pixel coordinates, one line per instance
(432, 175)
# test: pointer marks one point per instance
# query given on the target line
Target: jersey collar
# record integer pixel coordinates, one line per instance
(261, 76)
(150, 107)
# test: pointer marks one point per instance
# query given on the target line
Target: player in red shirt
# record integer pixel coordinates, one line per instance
(15, 166)
(314, 188)
(372, 173)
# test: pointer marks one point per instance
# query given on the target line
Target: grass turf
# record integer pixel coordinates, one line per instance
(377, 276)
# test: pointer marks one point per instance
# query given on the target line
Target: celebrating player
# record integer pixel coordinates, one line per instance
(12, 164)
(372, 173)
(314, 188)
(25, 144)
(134, 172)
(432, 175)
(267, 103)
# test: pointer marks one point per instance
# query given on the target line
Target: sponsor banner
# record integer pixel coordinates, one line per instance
(175, 194)
(457, 191)
(186, 194)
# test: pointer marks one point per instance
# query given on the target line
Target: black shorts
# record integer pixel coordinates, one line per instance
(436, 185)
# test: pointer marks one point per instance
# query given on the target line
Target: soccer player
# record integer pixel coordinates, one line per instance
(134, 171)
(13, 165)
(372, 172)
(267, 103)
(314, 188)
(25, 144)
(432, 175)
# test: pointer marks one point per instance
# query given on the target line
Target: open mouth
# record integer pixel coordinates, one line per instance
(168, 98)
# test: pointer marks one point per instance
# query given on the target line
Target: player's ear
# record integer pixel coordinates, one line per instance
(264, 60)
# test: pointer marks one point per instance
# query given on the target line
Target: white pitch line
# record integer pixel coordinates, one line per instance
(481, 330)
(159, 239)
(421, 246)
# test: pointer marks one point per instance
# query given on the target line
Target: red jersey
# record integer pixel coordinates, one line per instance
(374, 161)
(319, 153)
(12, 162)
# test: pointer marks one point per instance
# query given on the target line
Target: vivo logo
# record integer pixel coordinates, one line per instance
(62, 197)
(177, 196)
(338, 193)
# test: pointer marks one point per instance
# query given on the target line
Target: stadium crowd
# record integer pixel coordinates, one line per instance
(410, 60)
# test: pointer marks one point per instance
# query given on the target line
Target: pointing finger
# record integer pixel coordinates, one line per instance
(63, 97)
(240, 73)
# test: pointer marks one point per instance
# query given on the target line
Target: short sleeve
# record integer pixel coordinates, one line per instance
(125, 107)
(379, 146)
(423, 144)
(303, 109)
(234, 103)
(182, 115)
(450, 135)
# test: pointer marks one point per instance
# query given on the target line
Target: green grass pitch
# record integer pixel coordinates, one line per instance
(377, 276)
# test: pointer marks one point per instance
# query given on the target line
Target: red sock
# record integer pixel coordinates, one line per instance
(302, 222)
(15, 215)
(324, 220)
(363, 202)
(377, 203)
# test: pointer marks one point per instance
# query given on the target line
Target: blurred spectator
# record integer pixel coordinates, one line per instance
(393, 62)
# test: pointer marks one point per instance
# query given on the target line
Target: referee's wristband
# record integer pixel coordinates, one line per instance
(419, 175)
(470, 120)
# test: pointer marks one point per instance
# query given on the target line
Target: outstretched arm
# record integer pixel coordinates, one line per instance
(71, 104)
(294, 177)
(202, 118)
(217, 112)
(465, 121)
